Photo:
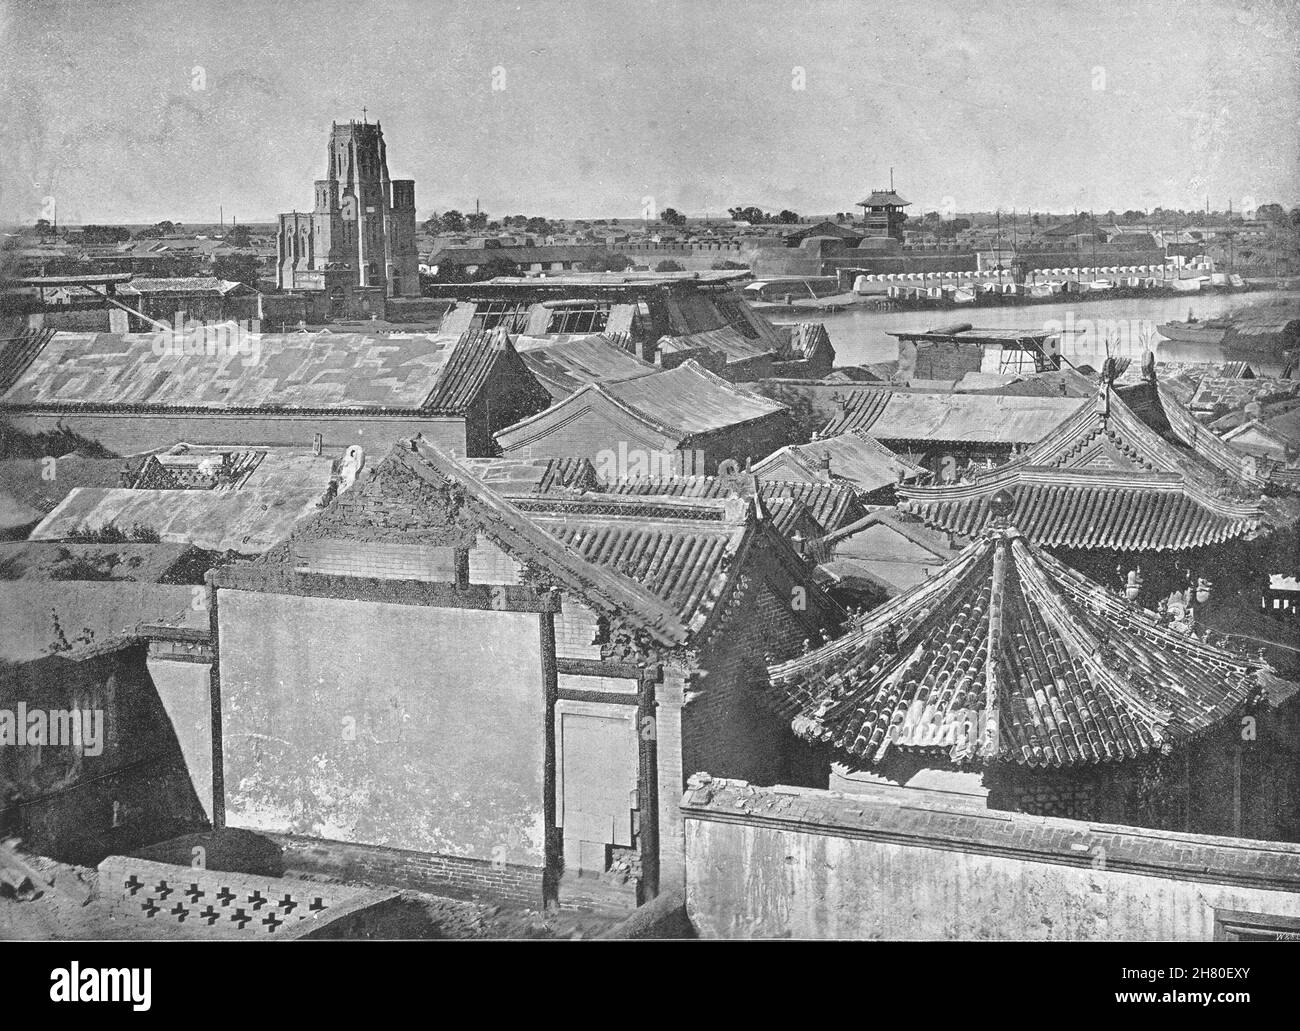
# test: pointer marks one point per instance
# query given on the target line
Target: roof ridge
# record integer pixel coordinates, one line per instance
(615, 592)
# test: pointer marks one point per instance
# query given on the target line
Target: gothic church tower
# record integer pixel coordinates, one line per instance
(360, 236)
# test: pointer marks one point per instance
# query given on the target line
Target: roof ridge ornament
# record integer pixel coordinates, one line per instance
(1001, 506)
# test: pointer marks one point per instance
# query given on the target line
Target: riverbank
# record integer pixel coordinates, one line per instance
(881, 302)
(861, 336)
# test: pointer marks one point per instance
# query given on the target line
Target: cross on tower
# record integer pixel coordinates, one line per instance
(363, 114)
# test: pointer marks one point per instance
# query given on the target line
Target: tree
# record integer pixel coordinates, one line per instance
(736, 265)
(43, 227)
(537, 225)
(238, 268)
(611, 261)
(453, 221)
(787, 217)
(158, 229)
(673, 217)
(490, 269)
(239, 236)
(754, 216)
(478, 220)
(1270, 212)
(668, 265)
(432, 225)
(105, 234)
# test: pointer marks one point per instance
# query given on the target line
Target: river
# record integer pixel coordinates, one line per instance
(862, 336)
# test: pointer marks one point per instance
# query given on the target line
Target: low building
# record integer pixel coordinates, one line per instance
(450, 262)
(685, 417)
(945, 430)
(226, 500)
(855, 459)
(133, 392)
(176, 301)
(565, 364)
(597, 649)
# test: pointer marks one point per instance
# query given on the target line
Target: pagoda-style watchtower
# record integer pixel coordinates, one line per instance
(883, 214)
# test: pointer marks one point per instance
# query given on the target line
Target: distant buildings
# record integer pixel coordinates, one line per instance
(357, 246)
(448, 262)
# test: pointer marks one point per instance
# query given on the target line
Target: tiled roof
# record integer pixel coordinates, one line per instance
(604, 589)
(681, 403)
(727, 339)
(833, 505)
(1009, 655)
(969, 418)
(679, 552)
(1105, 479)
(1093, 512)
(518, 476)
(565, 367)
(1215, 393)
(301, 371)
(179, 284)
(856, 459)
(857, 411)
(879, 198)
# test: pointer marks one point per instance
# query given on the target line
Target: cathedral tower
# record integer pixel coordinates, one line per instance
(358, 240)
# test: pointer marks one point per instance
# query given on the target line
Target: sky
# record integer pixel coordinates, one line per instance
(138, 111)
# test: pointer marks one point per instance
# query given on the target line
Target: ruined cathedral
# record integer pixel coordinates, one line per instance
(357, 246)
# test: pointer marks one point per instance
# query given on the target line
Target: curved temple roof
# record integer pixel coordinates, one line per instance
(1109, 477)
(1009, 655)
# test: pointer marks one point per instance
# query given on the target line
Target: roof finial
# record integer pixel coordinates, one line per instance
(1000, 507)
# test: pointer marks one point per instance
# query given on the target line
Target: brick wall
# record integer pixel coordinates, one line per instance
(937, 360)
(419, 871)
(669, 696)
(384, 561)
(128, 432)
(725, 724)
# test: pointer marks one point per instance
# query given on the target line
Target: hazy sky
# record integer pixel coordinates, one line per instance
(136, 110)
